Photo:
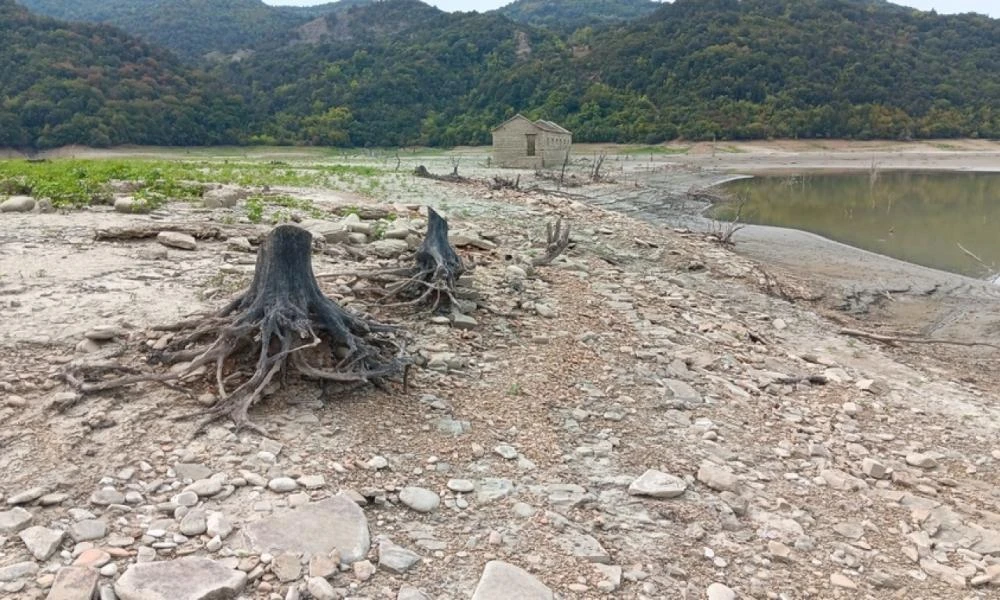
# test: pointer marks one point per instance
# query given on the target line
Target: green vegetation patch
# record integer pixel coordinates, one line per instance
(75, 183)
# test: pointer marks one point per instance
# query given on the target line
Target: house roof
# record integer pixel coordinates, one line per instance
(550, 126)
(540, 123)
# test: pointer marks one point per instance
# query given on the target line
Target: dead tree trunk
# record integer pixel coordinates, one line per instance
(438, 266)
(283, 320)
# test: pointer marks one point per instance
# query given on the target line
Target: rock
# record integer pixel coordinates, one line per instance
(490, 490)
(320, 589)
(408, 592)
(74, 583)
(226, 196)
(718, 591)
(324, 566)
(41, 541)
(286, 567)
(840, 480)
(842, 581)
(850, 530)
(107, 496)
(874, 468)
(129, 205)
(189, 578)
(394, 558)
(29, 495)
(460, 321)
(175, 239)
(462, 239)
(92, 557)
(363, 569)
(18, 204)
(657, 484)
(14, 520)
(239, 244)
(282, 484)
(923, 461)
(333, 233)
(192, 471)
(312, 482)
(681, 393)
(18, 570)
(53, 499)
(88, 529)
(943, 572)
(217, 525)
(779, 552)
(504, 581)
(185, 499)
(377, 463)
(419, 499)
(463, 486)
(506, 451)
(718, 478)
(388, 248)
(337, 523)
(584, 546)
(205, 487)
(194, 523)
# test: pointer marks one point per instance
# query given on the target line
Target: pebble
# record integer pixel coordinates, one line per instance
(286, 567)
(842, 581)
(204, 488)
(312, 482)
(923, 461)
(194, 523)
(107, 496)
(41, 541)
(419, 499)
(92, 557)
(282, 484)
(174, 239)
(506, 451)
(88, 529)
(14, 520)
(320, 589)
(26, 496)
(395, 558)
(874, 468)
(656, 484)
(463, 486)
(718, 478)
(718, 591)
(363, 570)
(377, 463)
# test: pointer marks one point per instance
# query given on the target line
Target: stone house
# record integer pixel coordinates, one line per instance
(522, 143)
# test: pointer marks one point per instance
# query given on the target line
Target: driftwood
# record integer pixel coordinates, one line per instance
(454, 177)
(892, 340)
(281, 321)
(556, 241)
(195, 230)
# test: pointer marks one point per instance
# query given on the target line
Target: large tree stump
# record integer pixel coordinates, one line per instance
(282, 320)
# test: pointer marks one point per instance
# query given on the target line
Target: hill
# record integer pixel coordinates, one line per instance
(190, 28)
(570, 15)
(95, 85)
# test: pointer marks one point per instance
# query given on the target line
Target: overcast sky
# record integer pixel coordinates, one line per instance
(987, 7)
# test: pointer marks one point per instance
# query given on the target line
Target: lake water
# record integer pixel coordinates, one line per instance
(918, 217)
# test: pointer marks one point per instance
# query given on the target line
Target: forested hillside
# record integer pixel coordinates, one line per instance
(570, 15)
(92, 84)
(398, 72)
(190, 28)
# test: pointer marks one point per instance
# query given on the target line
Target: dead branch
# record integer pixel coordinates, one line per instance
(454, 177)
(198, 231)
(556, 241)
(892, 340)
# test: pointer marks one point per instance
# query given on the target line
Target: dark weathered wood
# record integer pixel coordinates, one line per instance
(282, 320)
(198, 231)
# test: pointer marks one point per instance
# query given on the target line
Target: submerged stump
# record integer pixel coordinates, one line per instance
(432, 280)
(282, 321)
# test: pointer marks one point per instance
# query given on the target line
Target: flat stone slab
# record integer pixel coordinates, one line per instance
(42, 542)
(190, 578)
(657, 484)
(14, 520)
(315, 529)
(504, 581)
(74, 583)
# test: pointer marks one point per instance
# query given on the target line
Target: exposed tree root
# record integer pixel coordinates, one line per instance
(556, 241)
(275, 324)
(896, 340)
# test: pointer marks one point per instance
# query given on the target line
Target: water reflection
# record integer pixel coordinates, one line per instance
(919, 217)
